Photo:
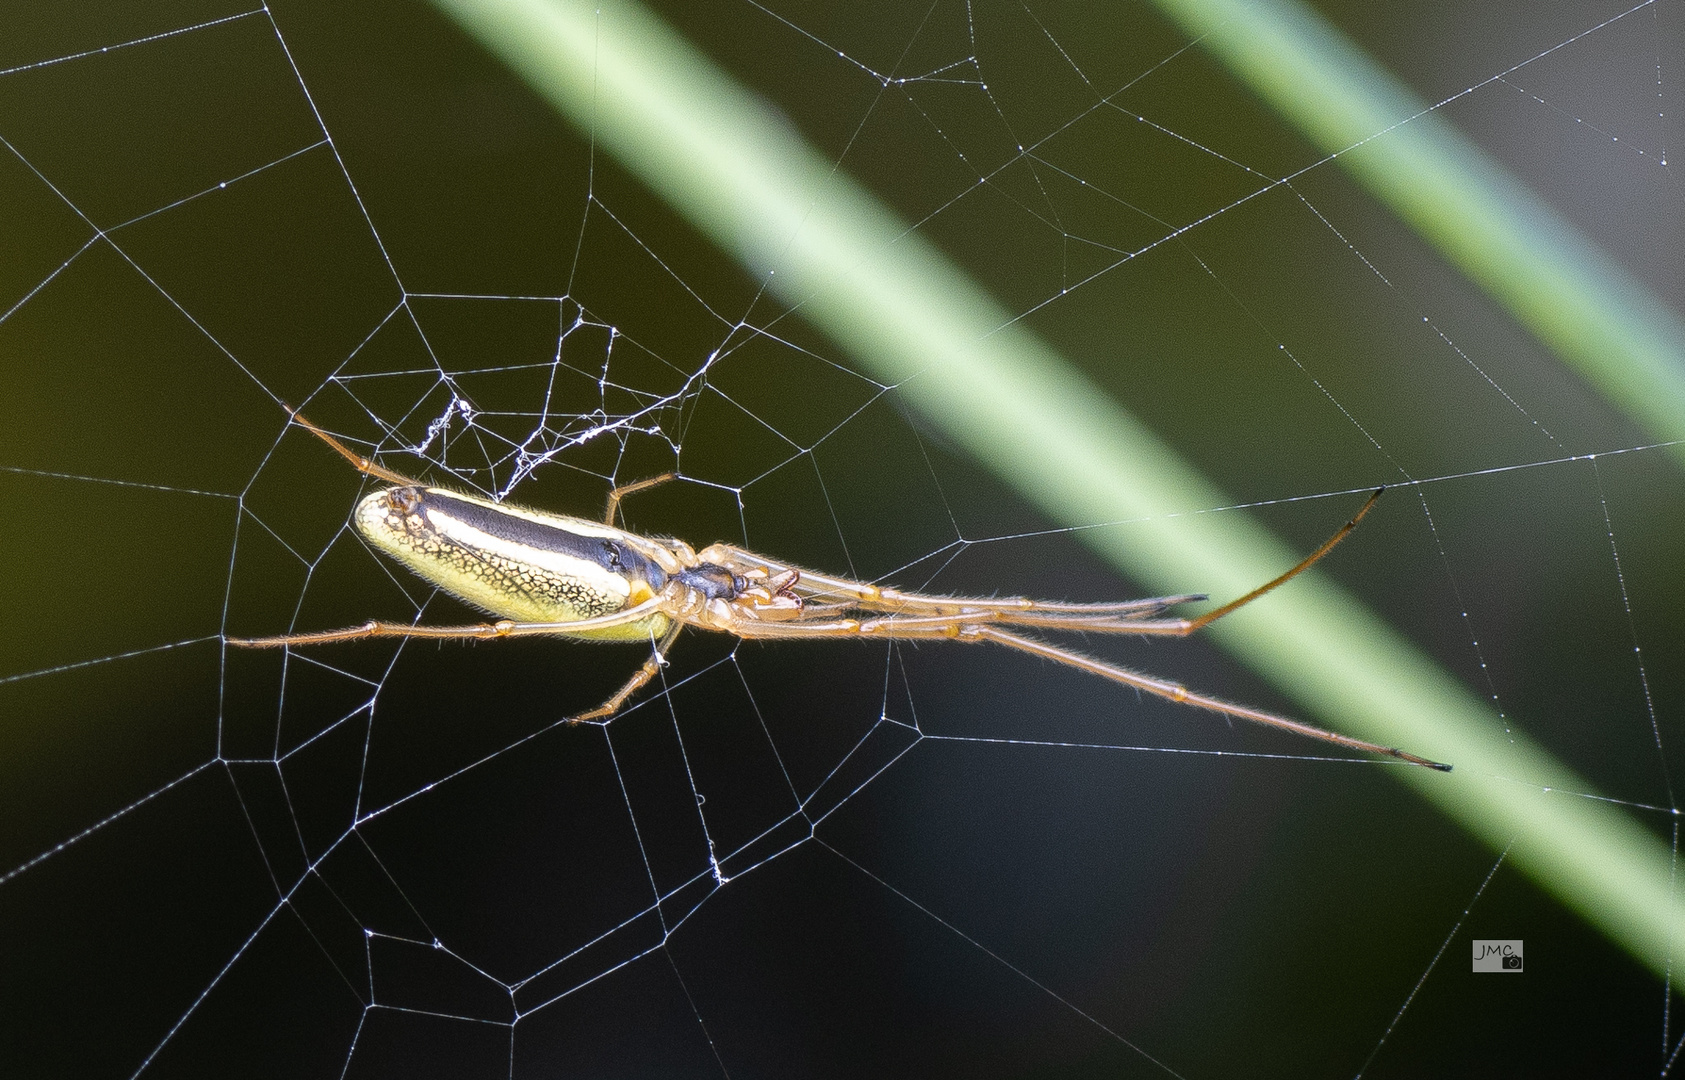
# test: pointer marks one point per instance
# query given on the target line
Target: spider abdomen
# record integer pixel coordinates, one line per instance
(515, 563)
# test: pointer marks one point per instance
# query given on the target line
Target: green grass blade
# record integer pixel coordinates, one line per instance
(1601, 320)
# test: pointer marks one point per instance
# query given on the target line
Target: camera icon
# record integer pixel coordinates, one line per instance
(1498, 955)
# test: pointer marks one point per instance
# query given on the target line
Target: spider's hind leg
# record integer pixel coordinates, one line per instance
(640, 678)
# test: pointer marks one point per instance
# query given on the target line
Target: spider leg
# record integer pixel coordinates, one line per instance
(1093, 624)
(845, 594)
(1129, 617)
(1121, 617)
(971, 628)
(1327, 545)
(896, 602)
(362, 464)
(638, 681)
(899, 627)
(624, 490)
(940, 625)
(503, 628)
(1181, 695)
(372, 629)
(835, 616)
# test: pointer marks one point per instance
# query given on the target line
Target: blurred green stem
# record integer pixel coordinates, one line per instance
(1622, 338)
(905, 313)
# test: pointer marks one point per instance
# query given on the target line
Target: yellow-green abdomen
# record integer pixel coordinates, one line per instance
(517, 564)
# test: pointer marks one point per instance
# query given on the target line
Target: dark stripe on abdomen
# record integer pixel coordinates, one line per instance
(609, 554)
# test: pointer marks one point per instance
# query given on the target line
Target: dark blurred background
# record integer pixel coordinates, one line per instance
(964, 907)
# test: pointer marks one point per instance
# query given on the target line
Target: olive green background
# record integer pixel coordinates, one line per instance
(1226, 915)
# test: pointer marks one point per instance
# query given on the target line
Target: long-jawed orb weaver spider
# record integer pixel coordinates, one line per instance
(559, 575)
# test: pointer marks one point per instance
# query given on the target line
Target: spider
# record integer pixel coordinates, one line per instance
(558, 575)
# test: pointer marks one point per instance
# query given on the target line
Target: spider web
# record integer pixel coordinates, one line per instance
(800, 858)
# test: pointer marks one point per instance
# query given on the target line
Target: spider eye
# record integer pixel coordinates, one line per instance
(611, 555)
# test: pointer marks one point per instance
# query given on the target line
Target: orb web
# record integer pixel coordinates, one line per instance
(798, 857)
